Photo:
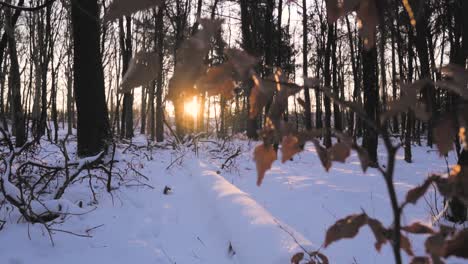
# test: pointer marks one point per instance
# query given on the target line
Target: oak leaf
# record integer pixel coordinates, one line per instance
(458, 245)
(290, 146)
(323, 155)
(142, 69)
(264, 157)
(418, 228)
(297, 258)
(347, 227)
(414, 194)
(444, 134)
(379, 232)
(340, 152)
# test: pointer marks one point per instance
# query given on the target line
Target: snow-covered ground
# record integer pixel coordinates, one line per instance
(215, 215)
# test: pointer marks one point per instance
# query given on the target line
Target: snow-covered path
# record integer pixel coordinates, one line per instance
(211, 210)
(140, 225)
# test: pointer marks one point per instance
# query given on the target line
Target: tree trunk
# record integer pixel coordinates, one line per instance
(423, 55)
(305, 62)
(159, 80)
(93, 122)
(371, 99)
(14, 82)
(326, 72)
(126, 129)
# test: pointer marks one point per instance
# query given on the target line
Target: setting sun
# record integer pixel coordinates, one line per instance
(192, 107)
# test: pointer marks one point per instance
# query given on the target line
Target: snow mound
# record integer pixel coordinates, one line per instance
(256, 235)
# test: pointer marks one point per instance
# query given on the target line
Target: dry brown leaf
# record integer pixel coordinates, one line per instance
(290, 146)
(261, 94)
(418, 228)
(368, 20)
(119, 8)
(414, 194)
(311, 82)
(420, 260)
(363, 157)
(458, 245)
(367, 16)
(405, 244)
(347, 227)
(379, 231)
(142, 69)
(242, 63)
(340, 152)
(217, 81)
(445, 186)
(190, 60)
(444, 134)
(435, 244)
(323, 155)
(457, 79)
(337, 9)
(264, 157)
(297, 258)
(408, 101)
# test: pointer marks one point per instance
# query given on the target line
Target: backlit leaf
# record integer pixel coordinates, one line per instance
(264, 157)
(142, 69)
(290, 146)
(190, 60)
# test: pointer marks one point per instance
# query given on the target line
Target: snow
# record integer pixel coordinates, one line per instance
(210, 209)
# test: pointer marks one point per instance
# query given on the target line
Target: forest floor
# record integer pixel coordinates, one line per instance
(217, 214)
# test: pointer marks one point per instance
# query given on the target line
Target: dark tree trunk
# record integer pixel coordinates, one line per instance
(14, 82)
(371, 99)
(395, 125)
(326, 72)
(248, 45)
(356, 81)
(336, 88)
(305, 62)
(159, 80)
(93, 122)
(423, 55)
(126, 129)
(409, 115)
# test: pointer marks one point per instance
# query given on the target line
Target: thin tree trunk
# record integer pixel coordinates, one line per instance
(305, 64)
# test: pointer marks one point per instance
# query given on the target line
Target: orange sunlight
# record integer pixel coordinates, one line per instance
(192, 107)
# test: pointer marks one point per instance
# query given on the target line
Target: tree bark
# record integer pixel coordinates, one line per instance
(371, 99)
(305, 69)
(14, 81)
(93, 122)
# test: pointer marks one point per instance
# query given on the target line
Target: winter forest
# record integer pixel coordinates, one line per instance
(233, 131)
